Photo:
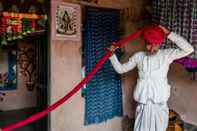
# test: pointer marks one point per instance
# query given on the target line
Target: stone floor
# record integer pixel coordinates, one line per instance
(10, 117)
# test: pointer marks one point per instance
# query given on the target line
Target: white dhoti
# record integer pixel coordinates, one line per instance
(151, 117)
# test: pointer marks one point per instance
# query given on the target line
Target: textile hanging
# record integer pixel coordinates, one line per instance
(8, 70)
(179, 16)
(104, 101)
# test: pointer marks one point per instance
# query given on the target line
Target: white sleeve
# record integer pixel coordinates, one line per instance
(123, 68)
(185, 48)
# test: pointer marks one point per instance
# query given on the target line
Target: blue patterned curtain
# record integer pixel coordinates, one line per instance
(103, 98)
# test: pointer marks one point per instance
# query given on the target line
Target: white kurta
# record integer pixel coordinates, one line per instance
(152, 90)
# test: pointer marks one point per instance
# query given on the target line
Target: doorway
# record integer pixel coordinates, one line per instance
(32, 89)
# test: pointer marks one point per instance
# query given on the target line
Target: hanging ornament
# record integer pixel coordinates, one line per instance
(14, 34)
(4, 24)
(42, 21)
(33, 25)
(15, 25)
(25, 26)
(19, 29)
(4, 40)
(9, 33)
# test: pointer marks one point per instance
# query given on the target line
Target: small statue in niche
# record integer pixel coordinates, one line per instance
(66, 22)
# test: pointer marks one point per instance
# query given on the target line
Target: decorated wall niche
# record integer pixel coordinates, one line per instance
(27, 63)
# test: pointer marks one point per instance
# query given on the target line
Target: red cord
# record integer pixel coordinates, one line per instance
(74, 90)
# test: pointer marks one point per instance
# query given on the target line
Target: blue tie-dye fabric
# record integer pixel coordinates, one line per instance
(103, 98)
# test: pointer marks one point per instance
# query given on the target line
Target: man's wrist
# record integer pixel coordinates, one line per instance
(168, 33)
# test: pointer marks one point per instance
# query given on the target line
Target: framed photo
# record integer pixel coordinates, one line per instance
(66, 21)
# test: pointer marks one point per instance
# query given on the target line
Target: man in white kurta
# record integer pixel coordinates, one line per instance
(153, 90)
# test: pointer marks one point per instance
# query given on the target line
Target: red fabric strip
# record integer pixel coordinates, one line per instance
(74, 90)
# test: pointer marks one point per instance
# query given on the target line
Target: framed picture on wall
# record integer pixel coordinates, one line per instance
(66, 21)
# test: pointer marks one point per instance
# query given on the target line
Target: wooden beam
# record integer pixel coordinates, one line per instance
(83, 3)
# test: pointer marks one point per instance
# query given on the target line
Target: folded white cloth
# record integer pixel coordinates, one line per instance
(151, 117)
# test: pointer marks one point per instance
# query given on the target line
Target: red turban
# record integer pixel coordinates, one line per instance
(153, 35)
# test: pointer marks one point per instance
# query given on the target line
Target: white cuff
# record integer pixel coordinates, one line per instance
(172, 36)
